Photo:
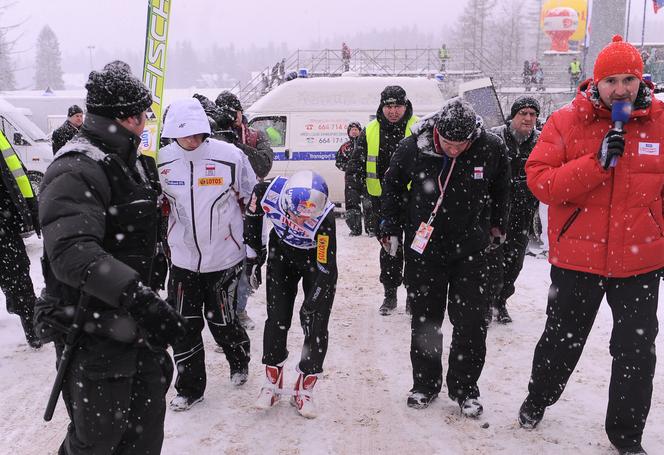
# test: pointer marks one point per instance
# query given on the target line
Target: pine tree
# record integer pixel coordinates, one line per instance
(48, 63)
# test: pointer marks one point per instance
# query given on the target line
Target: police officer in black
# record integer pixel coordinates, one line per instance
(456, 207)
(98, 209)
(505, 263)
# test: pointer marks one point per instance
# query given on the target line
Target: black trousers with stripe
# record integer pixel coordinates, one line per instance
(283, 277)
(206, 296)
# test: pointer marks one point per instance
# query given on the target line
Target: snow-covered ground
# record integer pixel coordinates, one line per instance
(362, 395)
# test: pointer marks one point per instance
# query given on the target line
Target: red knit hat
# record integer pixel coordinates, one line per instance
(618, 57)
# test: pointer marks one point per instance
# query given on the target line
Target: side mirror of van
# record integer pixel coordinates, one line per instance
(287, 154)
(18, 139)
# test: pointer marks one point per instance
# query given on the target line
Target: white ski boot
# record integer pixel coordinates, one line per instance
(271, 390)
(302, 397)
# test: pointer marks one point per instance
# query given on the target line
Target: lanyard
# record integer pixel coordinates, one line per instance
(442, 191)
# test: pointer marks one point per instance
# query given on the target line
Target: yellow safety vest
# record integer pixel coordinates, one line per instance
(15, 167)
(575, 67)
(373, 142)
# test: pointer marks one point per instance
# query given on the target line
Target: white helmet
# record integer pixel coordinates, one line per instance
(305, 194)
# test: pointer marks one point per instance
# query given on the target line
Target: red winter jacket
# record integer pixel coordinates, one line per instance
(610, 222)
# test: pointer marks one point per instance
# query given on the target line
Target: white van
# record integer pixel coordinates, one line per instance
(311, 116)
(28, 140)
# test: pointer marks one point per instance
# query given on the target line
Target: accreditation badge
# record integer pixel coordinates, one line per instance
(421, 237)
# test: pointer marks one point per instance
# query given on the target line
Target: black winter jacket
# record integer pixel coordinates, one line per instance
(63, 134)
(522, 201)
(99, 235)
(476, 198)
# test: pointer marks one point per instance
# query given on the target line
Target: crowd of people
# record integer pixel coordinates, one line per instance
(449, 202)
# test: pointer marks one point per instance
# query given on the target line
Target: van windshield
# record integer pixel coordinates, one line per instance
(22, 123)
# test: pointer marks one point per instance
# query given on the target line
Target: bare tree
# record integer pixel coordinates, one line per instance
(7, 45)
(48, 71)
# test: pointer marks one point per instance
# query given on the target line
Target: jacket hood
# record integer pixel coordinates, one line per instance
(186, 118)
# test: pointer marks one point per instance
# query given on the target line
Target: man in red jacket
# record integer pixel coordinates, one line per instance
(604, 186)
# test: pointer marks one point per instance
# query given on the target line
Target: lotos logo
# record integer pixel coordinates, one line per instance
(210, 181)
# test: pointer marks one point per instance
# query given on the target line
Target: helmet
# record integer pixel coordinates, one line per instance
(305, 194)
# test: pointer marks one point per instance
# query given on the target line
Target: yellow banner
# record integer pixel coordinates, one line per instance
(154, 70)
(580, 6)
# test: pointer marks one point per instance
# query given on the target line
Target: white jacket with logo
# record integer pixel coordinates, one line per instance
(205, 188)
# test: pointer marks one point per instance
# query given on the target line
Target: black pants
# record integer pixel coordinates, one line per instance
(15, 280)
(391, 267)
(506, 262)
(574, 300)
(283, 276)
(115, 398)
(358, 206)
(211, 296)
(457, 286)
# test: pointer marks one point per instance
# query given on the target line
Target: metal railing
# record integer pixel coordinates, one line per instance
(462, 64)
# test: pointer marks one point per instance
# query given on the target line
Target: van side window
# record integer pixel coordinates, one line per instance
(274, 127)
(10, 132)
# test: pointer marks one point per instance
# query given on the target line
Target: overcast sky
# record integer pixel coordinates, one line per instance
(121, 23)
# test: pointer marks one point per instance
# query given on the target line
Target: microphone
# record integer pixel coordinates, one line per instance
(620, 112)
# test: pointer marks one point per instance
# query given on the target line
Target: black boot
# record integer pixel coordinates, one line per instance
(354, 222)
(634, 450)
(420, 400)
(530, 414)
(503, 316)
(30, 336)
(390, 302)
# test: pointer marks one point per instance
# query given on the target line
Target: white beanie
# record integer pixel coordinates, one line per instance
(185, 118)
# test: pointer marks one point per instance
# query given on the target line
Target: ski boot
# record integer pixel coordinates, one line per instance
(302, 397)
(271, 390)
(245, 321)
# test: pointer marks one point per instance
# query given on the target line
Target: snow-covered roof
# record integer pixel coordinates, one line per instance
(352, 93)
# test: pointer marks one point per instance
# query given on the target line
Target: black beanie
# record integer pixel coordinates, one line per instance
(393, 94)
(228, 100)
(117, 65)
(351, 125)
(457, 121)
(73, 110)
(115, 93)
(524, 101)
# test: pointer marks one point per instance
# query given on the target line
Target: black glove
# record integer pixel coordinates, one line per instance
(613, 146)
(253, 269)
(497, 238)
(161, 323)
